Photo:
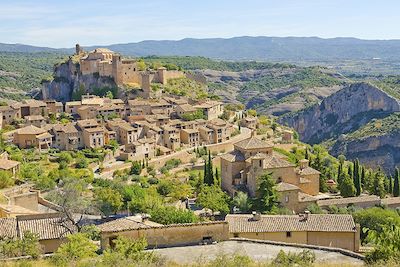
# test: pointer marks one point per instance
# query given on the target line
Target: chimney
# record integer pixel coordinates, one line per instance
(306, 214)
(256, 216)
(304, 163)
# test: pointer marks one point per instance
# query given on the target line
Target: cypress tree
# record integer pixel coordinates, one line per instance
(396, 189)
(217, 181)
(205, 177)
(210, 170)
(390, 185)
(363, 176)
(356, 177)
(306, 156)
(339, 173)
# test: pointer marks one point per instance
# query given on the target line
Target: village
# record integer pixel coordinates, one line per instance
(151, 130)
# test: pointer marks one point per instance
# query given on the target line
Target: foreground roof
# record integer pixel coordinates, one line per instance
(244, 223)
(31, 129)
(46, 226)
(126, 224)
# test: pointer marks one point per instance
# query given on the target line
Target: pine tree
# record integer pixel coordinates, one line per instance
(396, 188)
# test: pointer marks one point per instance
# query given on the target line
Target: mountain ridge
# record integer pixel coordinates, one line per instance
(247, 48)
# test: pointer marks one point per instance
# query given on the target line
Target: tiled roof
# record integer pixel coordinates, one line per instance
(67, 128)
(291, 223)
(303, 197)
(186, 108)
(8, 227)
(286, 187)
(307, 171)
(134, 223)
(6, 164)
(234, 156)
(348, 200)
(46, 226)
(31, 129)
(126, 224)
(274, 161)
(34, 117)
(252, 143)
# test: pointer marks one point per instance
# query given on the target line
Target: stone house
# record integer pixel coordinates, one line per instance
(211, 109)
(158, 235)
(253, 157)
(181, 110)
(67, 137)
(54, 107)
(10, 113)
(190, 137)
(36, 120)
(33, 107)
(49, 227)
(32, 137)
(328, 230)
(10, 166)
(249, 122)
(92, 133)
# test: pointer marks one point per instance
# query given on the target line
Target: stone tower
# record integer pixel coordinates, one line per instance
(117, 69)
(78, 49)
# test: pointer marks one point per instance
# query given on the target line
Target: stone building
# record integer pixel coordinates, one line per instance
(158, 235)
(211, 109)
(328, 230)
(67, 137)
(253, 157)
(48, 227)
(107, 63)
(32, 137)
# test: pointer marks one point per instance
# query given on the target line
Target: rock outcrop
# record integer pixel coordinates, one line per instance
(345, 112)
(69, 80)
(342, 112)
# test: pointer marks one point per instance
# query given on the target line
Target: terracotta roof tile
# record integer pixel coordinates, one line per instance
(252, 143)
(291, 223)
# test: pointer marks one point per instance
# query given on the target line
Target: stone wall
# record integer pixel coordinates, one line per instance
(173, 235)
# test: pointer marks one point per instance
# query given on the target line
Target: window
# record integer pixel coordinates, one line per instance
(235, 235)
(286, 198)
(260, 163)
(288, 234)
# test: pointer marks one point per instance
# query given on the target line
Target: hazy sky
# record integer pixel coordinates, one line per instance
(62, 23)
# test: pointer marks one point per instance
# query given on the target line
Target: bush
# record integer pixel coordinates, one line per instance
(170, 215)
(304, 258)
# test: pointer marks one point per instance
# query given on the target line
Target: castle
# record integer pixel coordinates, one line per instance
(107, 63)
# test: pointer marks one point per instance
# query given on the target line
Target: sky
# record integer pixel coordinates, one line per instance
(62, 23)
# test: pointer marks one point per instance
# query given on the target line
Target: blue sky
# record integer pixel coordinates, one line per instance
(62, 23)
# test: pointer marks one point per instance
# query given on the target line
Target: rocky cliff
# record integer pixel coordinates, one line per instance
(342, 112)
(358, 120)
(68, 82)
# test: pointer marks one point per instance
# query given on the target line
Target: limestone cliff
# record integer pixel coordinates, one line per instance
(68, 80)
(348, 118)
(342, 112)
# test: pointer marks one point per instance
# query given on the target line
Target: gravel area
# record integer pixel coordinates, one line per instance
(259, 252)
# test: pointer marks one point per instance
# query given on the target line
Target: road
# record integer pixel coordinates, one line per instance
(258, 252)
(120, 165)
